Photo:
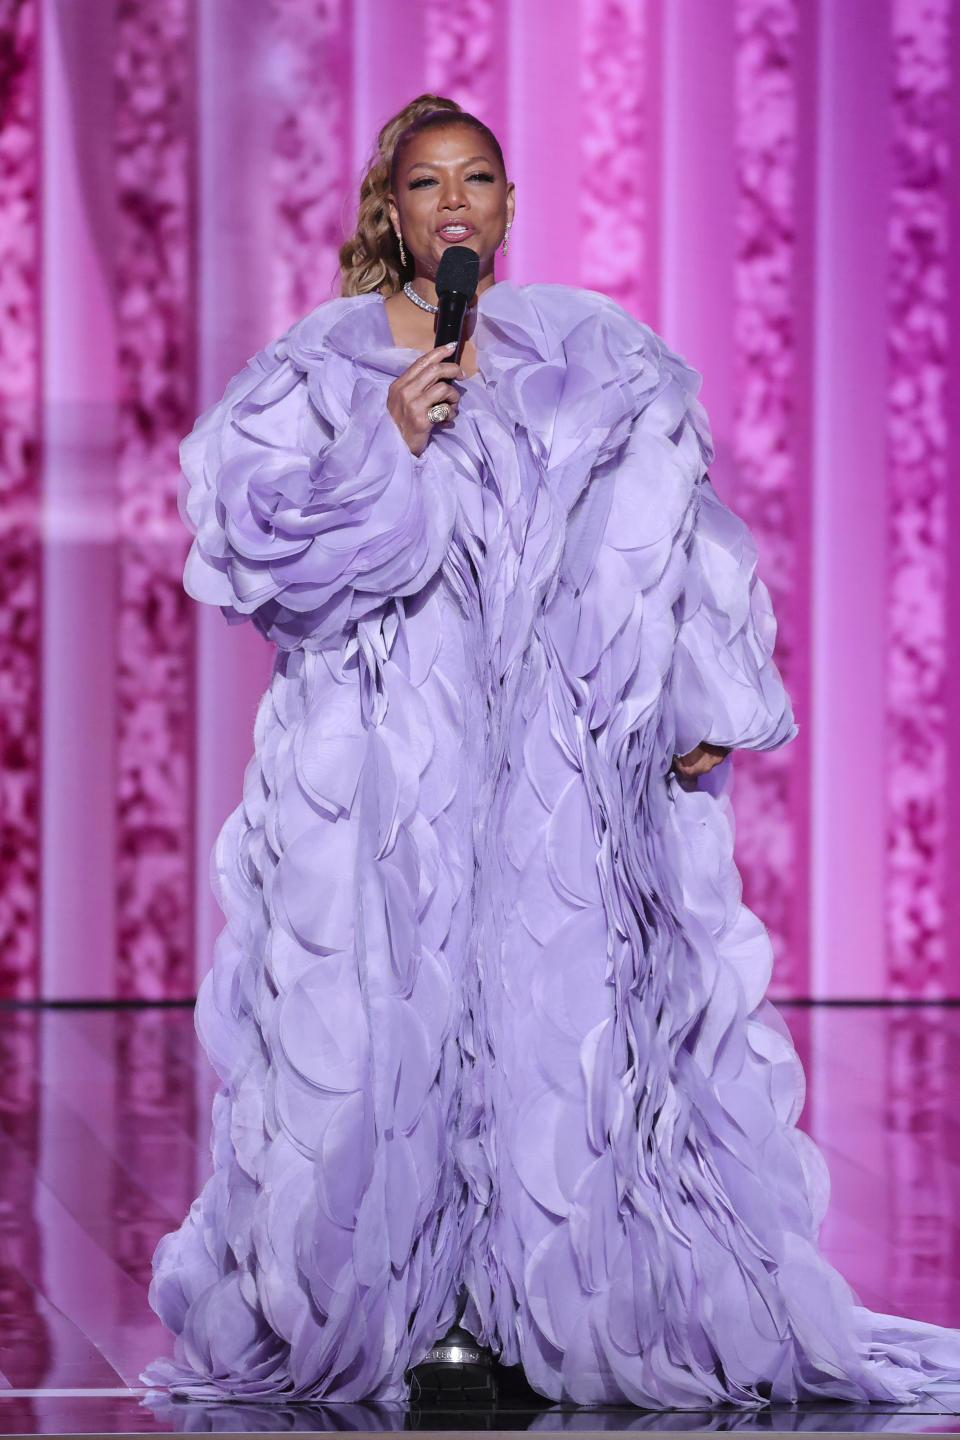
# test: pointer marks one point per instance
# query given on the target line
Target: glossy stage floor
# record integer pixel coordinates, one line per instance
(104, 1144)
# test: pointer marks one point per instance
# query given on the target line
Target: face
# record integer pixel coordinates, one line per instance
(450, 191)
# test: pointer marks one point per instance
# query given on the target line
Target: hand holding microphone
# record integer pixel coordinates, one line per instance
(456, 284)
(423, 395)
(414, 396)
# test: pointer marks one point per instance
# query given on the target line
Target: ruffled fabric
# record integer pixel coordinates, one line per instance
(724, 688)
(488, 1011)
(307, 506)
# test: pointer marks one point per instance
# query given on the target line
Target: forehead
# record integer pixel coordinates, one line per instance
(451, 145)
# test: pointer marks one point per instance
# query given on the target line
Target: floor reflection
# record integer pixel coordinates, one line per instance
(196, 1418)
(104, 1143)
(25, 1344)
(879, 1104)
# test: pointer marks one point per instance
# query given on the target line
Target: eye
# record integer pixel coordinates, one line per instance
(425, 180)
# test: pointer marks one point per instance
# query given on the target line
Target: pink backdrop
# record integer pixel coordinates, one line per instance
(769, 183)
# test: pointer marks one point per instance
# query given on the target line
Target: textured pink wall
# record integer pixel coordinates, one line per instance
(311, 48)
(768, 450)
(19, 495)
(619, 143)
(155, 300)
(918, 449)
(81, 556)
(767, 182)
(233, 246)
(848, 483)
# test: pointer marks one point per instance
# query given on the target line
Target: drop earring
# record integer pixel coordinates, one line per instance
(403, 253)
(506, 238)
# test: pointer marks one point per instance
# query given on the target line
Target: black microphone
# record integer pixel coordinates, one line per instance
(456, 283)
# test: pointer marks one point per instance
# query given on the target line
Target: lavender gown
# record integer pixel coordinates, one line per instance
(488, 1011)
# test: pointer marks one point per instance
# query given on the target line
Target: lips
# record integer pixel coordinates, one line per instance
(455, 233)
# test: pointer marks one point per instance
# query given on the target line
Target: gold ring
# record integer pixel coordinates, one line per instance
(438, 413)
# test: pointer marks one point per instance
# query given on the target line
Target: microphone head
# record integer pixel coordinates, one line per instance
(459, 270)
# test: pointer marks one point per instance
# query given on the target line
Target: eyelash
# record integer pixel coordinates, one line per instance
(429, 180)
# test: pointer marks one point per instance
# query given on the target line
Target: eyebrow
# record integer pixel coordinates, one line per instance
(473, 158)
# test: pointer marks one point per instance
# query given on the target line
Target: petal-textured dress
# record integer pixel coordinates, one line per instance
(488, 1012)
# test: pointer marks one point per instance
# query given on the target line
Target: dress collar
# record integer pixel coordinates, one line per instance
(363, 334)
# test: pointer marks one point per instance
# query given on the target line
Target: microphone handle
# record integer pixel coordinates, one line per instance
(451, 310)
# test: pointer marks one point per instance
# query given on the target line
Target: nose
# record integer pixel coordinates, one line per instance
(453, 196)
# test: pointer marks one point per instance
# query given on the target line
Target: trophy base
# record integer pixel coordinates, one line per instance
(455, 1371)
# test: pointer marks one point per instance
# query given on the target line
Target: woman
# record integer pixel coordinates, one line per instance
(488, 1012)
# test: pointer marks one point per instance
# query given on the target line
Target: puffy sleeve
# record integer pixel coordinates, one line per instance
(307, 515)
(726, 689)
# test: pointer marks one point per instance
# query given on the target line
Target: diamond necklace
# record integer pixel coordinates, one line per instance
(411, 294)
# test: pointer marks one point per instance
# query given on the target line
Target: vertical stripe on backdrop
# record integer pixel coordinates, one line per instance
(275, 89)
(466, 58)
(731, 281)
(618, 198)
(19, 538)
(951, 860)
(153, 257)
(915, 742)
(234, 248)
(544, 135)
(849, 541)
(78, 646)
(767, 486)
(310, 51)
(388, 69)
(698, 204)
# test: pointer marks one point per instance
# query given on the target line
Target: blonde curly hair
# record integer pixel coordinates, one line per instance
(370, 259)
